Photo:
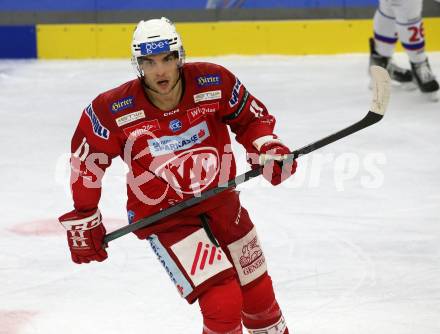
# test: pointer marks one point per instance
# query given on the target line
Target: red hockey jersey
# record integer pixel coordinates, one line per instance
(172, 155)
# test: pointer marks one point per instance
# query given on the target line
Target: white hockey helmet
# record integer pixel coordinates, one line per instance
(154, 37)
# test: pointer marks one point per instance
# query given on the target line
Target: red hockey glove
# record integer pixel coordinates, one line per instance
(272, 156)
(85, 235)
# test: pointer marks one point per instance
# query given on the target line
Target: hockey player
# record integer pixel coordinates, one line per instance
(401, 20)
(170, 126)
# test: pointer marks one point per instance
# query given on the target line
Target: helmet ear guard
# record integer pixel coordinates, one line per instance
(153, 37)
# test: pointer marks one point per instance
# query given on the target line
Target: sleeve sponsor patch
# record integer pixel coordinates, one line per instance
(98, 129)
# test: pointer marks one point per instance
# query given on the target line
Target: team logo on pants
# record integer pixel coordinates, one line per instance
(209, 254)
(199, 257)
(252, 256)
(248, 257)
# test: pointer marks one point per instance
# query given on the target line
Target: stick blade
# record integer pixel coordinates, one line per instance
(381, 89)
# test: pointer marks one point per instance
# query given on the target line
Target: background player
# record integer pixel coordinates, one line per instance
(402, 20)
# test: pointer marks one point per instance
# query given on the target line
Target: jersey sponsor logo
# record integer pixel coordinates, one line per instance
(122, 104)
(199, 257)
(151, 48)
(183, 141)
(196, 113)
(98, 128)
(235, 93)
(190, 172)
(175, 125)
(141, 129)
(206, 96)
(209, 80)
(129, 118)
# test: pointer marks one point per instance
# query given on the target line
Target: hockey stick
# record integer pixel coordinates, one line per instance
(381, 92)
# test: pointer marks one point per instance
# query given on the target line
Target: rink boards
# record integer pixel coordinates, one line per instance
(290, 37)
(301, 37)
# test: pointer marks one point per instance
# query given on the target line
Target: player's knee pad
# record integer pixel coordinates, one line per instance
(221, 308)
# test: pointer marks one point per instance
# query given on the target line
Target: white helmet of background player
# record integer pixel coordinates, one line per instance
(154, 37)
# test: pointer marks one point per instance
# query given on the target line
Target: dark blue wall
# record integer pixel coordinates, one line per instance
(18, 42)
(91, 5)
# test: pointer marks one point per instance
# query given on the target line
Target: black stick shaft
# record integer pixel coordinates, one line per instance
(370, 119)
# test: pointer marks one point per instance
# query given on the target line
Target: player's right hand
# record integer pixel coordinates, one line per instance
(85, 235)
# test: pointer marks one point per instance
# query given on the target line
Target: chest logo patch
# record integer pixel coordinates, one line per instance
(192, 171)
(175, 125)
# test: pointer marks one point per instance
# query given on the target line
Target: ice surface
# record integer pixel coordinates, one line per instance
(352, 242)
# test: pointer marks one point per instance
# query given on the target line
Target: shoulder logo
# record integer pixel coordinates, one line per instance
(209, 80)
(98, 128)
(235, 93)
(122, 104)
(206, 96)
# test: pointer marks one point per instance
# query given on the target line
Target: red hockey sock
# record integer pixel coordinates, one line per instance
(260, 308)
(221, 308)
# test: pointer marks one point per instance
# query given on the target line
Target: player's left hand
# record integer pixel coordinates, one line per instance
(85, 235)
(272, 156)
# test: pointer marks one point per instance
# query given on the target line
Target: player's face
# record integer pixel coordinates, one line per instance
(160, 72)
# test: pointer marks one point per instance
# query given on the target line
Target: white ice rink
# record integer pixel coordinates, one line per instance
(352, 242)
